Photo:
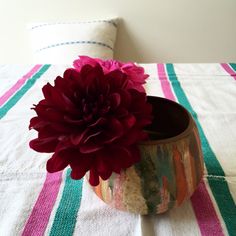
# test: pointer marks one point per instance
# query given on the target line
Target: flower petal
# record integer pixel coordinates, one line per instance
(47, 91)
(115, 100)
(114, 131)
(129, 121)
(77, 173)
(93, 177)
(99, 122)
(133, 136)
(125, 98)
(44, 144)
(56, 163)
(71, 74)
(93, 136)
(80, 164)
(81, 161)
(122, 158)
(37, 123)
(72, 121)
(90, 148)
(83, 60)
(77, 137)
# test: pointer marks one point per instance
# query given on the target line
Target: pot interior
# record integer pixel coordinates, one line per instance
(170, 119)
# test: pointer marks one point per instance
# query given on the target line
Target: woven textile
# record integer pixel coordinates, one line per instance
(36, 203)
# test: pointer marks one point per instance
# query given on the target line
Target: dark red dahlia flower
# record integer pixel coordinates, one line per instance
(92, 121)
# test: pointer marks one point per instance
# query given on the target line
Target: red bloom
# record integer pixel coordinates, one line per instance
(135, 74)
(92, 121)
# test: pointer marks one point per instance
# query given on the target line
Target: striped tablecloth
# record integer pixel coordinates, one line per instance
(33, 202)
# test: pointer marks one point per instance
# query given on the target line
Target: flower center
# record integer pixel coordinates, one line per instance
(94, 108)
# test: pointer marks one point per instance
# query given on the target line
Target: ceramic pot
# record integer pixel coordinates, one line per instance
(170, 169)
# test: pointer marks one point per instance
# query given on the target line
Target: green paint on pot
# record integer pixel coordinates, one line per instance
(165, 167)
(147, 172)
(111, 181)
(195, 153)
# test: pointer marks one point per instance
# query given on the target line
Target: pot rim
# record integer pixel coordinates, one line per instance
(175, 138)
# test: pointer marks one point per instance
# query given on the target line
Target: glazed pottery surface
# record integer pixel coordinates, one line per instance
(170, 169)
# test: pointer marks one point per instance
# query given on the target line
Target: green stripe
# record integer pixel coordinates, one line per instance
(66, 214)
(233, 65)
(20, 93)
(219, 189)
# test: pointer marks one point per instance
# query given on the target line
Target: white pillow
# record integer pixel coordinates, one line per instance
(62, 43)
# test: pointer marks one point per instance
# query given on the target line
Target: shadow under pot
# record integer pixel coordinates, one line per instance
(170, 169)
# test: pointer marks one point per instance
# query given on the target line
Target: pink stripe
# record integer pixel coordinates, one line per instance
(38, 220)
(208, 221)
(166, 88)
(18, 85)
(201, 201)
(229, 70)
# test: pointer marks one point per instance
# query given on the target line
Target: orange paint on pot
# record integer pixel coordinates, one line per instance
(98, 191)
(180, 177)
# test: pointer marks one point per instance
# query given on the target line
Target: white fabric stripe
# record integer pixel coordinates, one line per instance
(199, 70)
(152, 86)
(97, 218)
(9, 77)
(162, 225)
(183, 220)
(108, 220)
(18, 194)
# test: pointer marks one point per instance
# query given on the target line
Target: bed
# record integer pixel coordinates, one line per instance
(34, 202)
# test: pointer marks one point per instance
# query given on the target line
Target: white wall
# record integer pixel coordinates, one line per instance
(151, 31)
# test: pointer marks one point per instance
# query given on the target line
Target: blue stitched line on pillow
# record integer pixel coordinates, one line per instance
(75, 42)
(72, 23)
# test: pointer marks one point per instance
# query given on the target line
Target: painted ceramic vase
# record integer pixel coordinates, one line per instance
(170, 169)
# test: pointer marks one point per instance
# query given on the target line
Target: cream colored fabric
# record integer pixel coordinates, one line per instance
(63, 42)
